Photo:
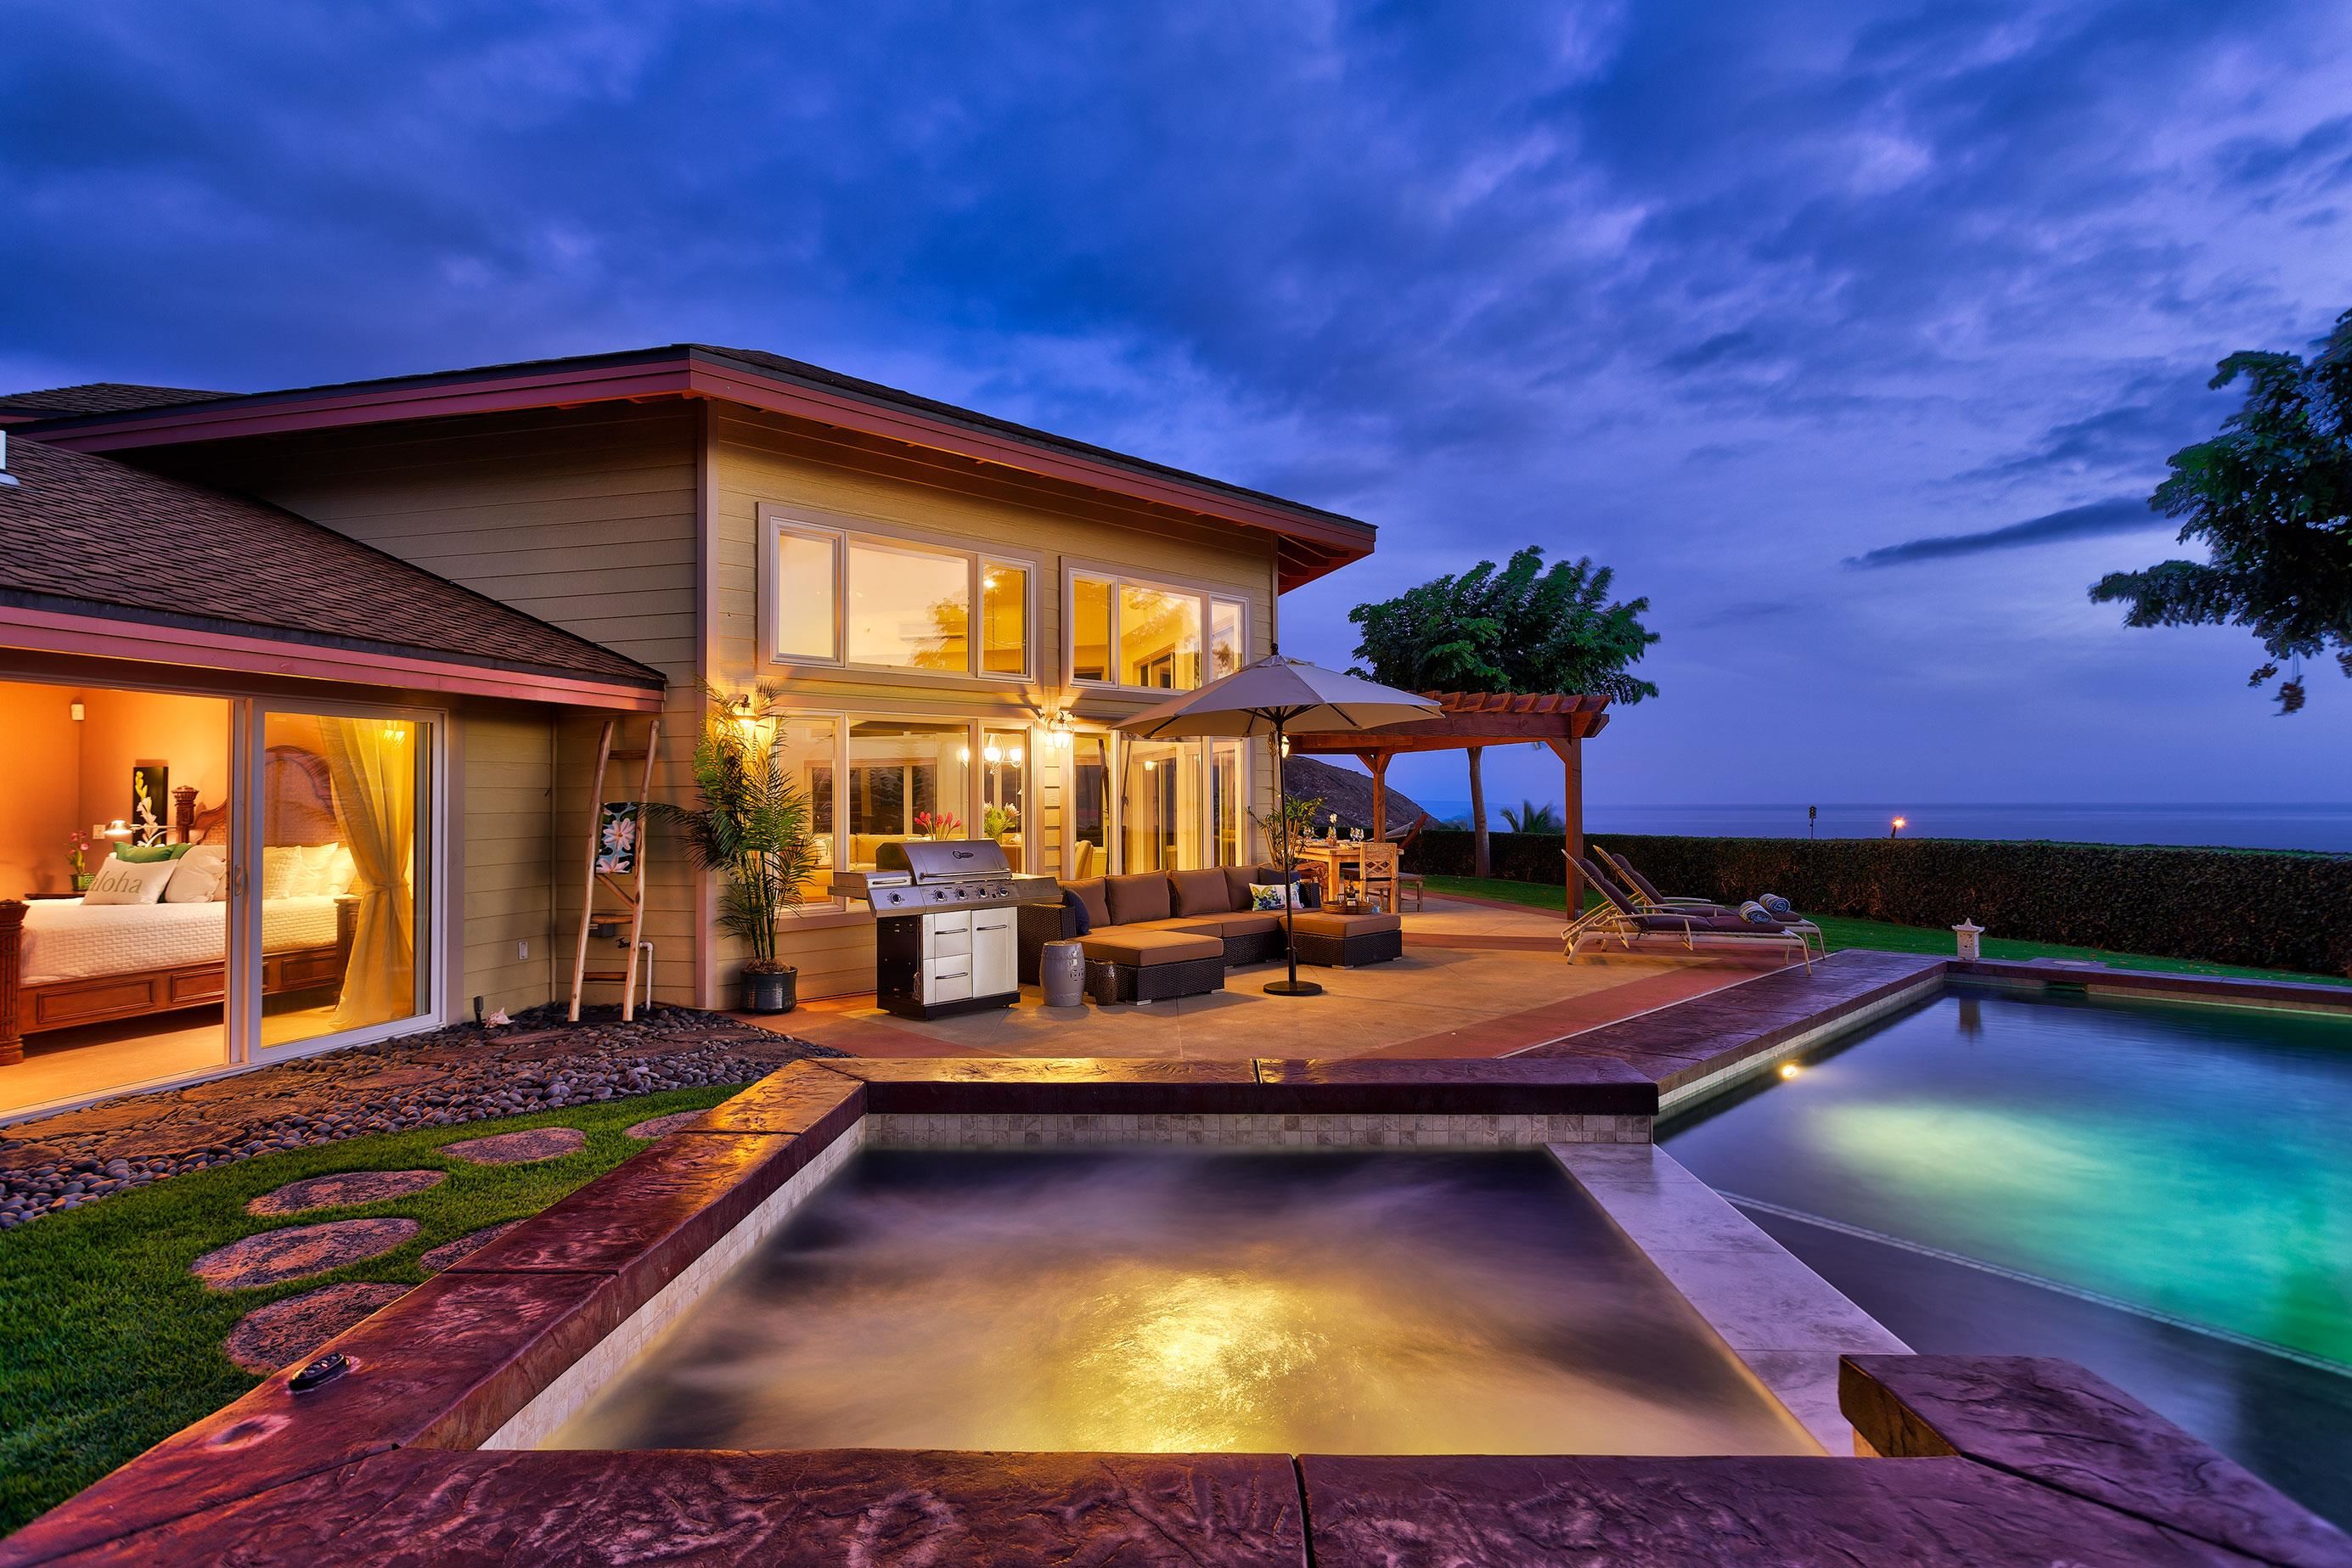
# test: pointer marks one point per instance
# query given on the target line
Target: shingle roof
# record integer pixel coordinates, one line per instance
(86, 535)
(96, 397)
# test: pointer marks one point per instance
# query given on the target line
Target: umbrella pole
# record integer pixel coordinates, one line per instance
(1293, 986)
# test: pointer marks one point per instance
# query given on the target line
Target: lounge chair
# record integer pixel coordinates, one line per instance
(1620, 920)
(1645, 896)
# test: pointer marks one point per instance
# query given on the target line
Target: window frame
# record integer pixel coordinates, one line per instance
(1207, 595)
(776, 521)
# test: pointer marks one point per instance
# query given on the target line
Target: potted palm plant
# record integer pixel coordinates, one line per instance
(751, 825)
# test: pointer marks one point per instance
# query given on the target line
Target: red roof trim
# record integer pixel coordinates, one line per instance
(51, 631)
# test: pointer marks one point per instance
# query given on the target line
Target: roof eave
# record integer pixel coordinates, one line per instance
(1332, 540)
(110, 632)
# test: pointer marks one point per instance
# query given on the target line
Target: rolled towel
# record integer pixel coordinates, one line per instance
(1755, 914)
(1777, 908)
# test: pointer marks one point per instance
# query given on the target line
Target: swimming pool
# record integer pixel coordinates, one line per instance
(2165, 1187)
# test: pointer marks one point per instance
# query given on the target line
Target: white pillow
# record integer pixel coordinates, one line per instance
(325, 869)
(342, 871)
(130, 882)
(281, 871)
(199, 876)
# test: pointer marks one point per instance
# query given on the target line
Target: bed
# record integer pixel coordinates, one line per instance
(63, 963)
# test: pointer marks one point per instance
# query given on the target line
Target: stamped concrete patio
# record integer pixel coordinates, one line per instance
(1477, 978)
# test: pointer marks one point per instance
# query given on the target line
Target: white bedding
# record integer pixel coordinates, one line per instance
(65, 939)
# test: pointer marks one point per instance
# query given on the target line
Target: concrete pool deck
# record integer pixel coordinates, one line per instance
(2003, 1459)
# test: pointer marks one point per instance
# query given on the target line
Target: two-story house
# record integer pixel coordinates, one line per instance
(357, 642)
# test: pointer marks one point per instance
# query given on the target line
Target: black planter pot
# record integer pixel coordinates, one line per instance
(770, 993)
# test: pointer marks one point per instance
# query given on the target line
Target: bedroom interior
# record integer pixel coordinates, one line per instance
(116, 833)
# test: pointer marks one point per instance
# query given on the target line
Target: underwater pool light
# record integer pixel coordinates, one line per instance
(1789, 1069)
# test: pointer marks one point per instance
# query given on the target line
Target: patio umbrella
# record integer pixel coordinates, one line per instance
(1266, 698)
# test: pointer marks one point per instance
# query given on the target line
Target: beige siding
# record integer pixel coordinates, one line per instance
(507, 790)
(756, 458)
(585, 518)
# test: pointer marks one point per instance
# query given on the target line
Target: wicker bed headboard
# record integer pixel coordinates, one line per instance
(298, 803)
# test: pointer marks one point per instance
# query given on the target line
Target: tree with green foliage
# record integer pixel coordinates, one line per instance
(2271, 496)
(1525, 627)
(1531, 818)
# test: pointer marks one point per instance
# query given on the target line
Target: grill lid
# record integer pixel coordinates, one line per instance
(955, 860)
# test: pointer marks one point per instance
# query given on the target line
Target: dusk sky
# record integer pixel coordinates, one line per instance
(1853, 337)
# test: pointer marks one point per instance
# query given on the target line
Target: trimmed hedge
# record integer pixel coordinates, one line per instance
(2260, 908)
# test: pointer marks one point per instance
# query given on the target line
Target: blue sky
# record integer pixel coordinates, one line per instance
(1851, 336)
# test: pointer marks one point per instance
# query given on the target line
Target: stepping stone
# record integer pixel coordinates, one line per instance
(286, 1332)
(663, 1126)
(297, 1251)
(519, 1148)
(436, 1258)
(344, 1189)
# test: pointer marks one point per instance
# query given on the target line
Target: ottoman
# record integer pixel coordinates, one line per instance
(1154, 966)
(1349, 941)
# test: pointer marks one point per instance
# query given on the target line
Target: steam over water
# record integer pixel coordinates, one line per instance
(1194, 1301)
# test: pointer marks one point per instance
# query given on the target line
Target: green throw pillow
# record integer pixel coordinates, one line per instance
(146, 854)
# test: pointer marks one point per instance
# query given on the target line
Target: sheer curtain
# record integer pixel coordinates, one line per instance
(372, 764)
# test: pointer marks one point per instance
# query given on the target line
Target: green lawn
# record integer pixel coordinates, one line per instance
(1841, 932)
(108, 1345)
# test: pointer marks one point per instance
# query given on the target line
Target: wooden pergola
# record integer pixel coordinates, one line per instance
(1472, 721)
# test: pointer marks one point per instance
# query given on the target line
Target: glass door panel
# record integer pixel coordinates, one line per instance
(1089, 806)
(1004, 793)
(341, 804)
(1160, 815)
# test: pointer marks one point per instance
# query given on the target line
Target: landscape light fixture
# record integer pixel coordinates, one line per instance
(1900, 823)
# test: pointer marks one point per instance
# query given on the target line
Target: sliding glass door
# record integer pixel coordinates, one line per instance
(336, 915)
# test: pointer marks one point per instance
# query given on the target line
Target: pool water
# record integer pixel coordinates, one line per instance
(2193, 1161)
(1383, 1302)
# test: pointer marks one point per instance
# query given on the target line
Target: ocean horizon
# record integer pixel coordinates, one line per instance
(2222, 825)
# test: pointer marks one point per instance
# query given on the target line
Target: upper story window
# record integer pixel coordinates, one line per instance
(832, 597)
(1125, 632)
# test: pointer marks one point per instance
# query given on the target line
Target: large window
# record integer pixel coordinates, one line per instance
(806, 753)
(907, 779)
(1148, 636)
(1003, 791)
(830, 597)
(1169, 805)
(909, 609)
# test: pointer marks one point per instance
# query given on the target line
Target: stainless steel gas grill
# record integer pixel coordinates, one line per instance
(943, 933)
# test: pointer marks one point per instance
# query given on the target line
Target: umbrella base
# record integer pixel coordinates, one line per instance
(1293, 988)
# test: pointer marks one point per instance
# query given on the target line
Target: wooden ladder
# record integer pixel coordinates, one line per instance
(618, 870)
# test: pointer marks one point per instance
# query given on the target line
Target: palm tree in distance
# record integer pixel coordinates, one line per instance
(1525, 627)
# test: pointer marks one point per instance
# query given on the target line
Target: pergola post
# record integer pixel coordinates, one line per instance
(1572, 807)
(1377, 763)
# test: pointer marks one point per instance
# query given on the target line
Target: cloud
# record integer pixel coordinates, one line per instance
(2122, 515)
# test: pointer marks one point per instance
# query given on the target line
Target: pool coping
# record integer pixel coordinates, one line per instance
(394, 1450)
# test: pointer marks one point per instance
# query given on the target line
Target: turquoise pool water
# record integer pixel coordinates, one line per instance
(2193, 1161)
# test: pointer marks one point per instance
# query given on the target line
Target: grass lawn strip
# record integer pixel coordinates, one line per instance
(1840, 931)
(107, 1345)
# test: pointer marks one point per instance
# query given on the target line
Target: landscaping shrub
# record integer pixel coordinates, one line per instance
(2264, 908)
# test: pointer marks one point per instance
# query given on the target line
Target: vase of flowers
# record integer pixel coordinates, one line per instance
(750, 824)
(938, 825)
(998, 821)
(78, 847)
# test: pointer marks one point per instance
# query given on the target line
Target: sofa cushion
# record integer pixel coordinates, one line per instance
(1237, 880)
(1201, 892)
(1142, 896)
(1091, 894)
(1330, 922)
(1147, 949)
(1226, 924)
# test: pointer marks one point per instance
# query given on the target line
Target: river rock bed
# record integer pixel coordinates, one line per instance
(461, 1073)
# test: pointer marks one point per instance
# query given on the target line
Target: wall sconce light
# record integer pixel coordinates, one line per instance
(992, 753)
(1014, 756)
(1060, 730)
(964, 753)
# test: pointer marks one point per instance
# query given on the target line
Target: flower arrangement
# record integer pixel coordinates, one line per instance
(938, 824)
(998, 821)
(77, 848)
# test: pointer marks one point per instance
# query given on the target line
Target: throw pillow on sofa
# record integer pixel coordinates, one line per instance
(1266, 898)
